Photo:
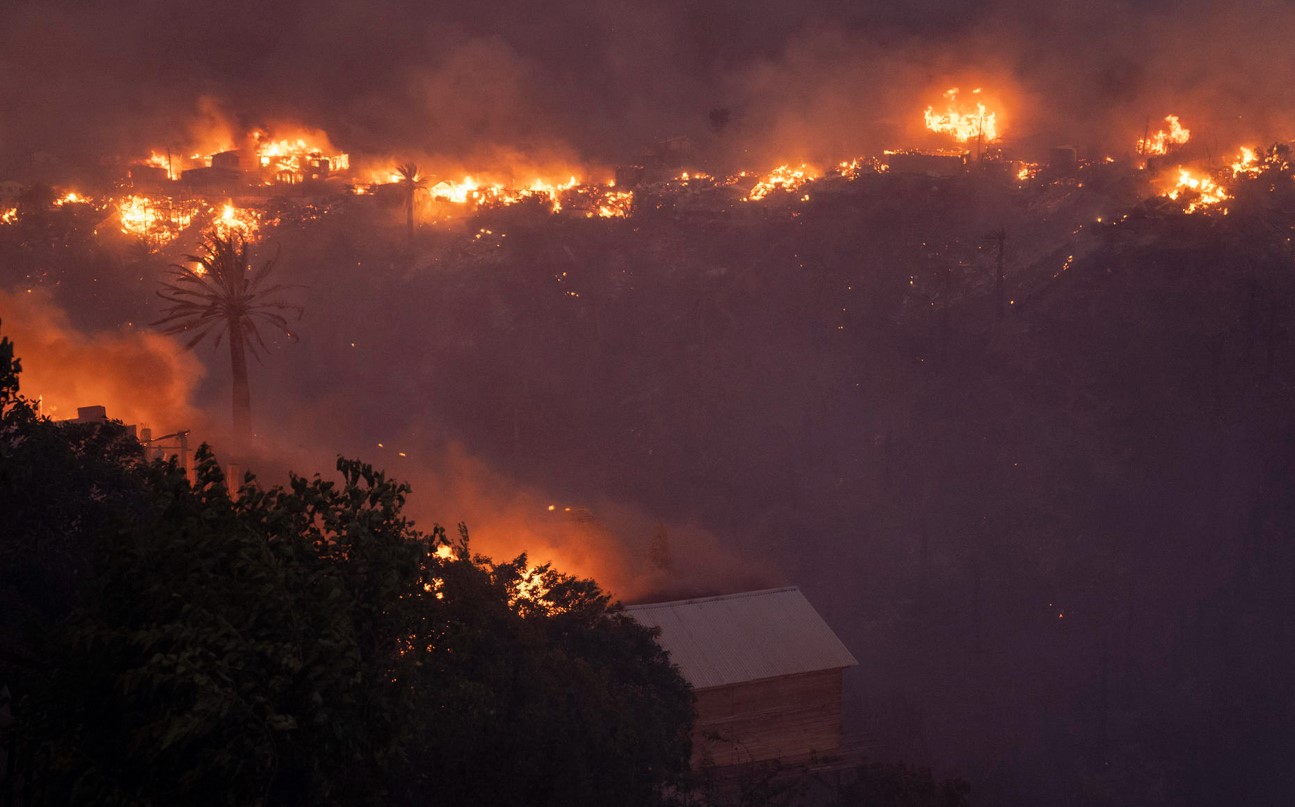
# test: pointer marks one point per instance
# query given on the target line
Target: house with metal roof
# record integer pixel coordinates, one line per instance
(766, 672)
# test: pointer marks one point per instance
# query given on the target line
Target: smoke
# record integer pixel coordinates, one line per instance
(619, 544)
(147, 379)
(141, 377)
(629, 551)
(602, 81)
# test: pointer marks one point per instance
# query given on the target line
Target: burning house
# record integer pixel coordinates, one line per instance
(766, 672)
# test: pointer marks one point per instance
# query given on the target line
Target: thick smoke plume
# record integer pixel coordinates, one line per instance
(599, 82)
(141, 377)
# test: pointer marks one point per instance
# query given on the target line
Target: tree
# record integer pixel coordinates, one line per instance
(219, 292)
(411, 180)
(298, 645)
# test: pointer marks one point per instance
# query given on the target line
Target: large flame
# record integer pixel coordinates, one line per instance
(1160, 142)
(1246, 163)
(244, 221)
(964, 122)
(785, 178)
(156, 221)
(1199, 192)
(292, 160)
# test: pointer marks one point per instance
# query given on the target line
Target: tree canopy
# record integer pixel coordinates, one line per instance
(171, 640)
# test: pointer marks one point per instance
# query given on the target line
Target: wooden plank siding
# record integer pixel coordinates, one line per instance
(789, 716)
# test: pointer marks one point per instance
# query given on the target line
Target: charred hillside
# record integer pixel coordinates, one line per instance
(1048, 512)
(1031, 520)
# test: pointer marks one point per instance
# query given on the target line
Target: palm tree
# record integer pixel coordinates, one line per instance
(412, 181)
(218, 292)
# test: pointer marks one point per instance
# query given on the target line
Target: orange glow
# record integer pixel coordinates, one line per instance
(293, 160)
(158, 160)
(71, 198)
(1247, 162)
(157, 222)
(141, 376)
(244, 221)
(1199, 192)
(615, 204)
(9, 216)
(785, 178)
(964, 122)
(1160, 142)
(470, 191)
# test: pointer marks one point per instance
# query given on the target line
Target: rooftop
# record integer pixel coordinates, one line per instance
(735, 638)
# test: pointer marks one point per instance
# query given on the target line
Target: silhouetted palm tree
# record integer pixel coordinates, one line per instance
(219, 293)
(411, 180)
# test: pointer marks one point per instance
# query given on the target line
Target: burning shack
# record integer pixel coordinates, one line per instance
(766, 672)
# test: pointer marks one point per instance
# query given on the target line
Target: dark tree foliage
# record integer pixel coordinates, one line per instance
(170, 641)
(876, 784)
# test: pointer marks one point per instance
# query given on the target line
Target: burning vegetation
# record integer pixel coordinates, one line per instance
(254, 182)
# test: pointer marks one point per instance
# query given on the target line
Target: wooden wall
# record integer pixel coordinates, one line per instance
(777, 718)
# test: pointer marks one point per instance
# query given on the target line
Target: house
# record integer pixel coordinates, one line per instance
(766, 674)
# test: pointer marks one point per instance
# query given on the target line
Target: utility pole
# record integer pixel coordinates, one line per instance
(980, 138)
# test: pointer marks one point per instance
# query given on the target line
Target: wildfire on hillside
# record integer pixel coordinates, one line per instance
(158, 222)
(1200, 191)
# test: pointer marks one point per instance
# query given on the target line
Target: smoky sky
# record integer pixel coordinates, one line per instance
(601, 79)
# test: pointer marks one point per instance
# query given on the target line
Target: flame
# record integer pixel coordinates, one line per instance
(72, 198)
(245, 221)
(1160, 142)
(156, 221)
(1247, 162)
(293, 160)
(1199, 192)
(785, 178)
(615, 204)
(470, 191)
(9, 216)
(156, 159)
(963, 122)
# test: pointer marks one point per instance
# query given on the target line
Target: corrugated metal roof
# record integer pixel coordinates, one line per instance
(743, 637)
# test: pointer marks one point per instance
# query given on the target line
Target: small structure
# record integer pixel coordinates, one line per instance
(765, 670)
(940, 163)
(155, 448)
